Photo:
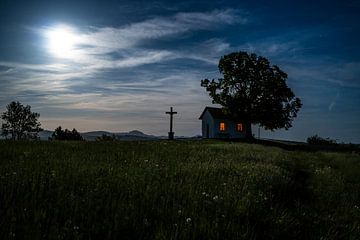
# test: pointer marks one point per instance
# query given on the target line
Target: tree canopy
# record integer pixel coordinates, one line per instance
(253, 91)
(20, 122)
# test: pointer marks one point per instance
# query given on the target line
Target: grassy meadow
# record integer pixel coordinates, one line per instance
(176, 190)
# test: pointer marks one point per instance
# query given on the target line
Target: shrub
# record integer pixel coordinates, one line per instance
(317, 140)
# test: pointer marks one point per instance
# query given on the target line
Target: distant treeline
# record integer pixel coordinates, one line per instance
(60, 134)
(74, 135)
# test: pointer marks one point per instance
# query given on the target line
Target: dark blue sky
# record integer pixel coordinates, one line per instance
(119, 65)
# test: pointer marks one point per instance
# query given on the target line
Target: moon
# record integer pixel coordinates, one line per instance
(62, 41)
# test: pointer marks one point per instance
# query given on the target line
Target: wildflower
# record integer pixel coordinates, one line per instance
(146, 222)
(146, 160)
(188, 220)
(179, 212)
(216, 197)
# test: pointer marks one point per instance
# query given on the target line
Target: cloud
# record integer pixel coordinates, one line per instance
(340, 73)
(208, 52)
(108, 39)
(12, 66)
(145, 57)
(332, 104)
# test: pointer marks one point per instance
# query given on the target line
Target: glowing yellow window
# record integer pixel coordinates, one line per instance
(239, 127)
(222, 126)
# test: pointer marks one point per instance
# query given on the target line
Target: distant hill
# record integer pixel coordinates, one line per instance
(91, 136)
(44, 135)
(123, 136)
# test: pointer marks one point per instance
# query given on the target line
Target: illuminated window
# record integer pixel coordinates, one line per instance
(222, 126)
(239, 127)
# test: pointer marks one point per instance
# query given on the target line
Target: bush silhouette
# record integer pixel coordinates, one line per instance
(66, 134)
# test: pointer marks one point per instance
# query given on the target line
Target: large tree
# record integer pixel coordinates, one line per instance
(20, 122)
(254, 91)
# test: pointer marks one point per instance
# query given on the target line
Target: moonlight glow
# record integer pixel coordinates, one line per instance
(61, 41)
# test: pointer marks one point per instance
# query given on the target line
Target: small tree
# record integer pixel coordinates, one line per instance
(58, 134)
(20, 122)
(253, 91)
(66, 134)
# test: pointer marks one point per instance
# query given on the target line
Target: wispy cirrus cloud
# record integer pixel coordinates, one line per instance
(108, 39)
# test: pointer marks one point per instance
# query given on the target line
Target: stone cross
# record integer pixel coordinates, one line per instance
(171, 113)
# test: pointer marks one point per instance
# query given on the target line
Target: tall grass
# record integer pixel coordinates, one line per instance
(176, 190)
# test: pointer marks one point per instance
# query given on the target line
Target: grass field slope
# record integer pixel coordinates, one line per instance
(176, 190)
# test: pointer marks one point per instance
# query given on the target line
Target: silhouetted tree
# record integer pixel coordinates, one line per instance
(58, 134)
(66, 134)
(253, 91)
(20, 122)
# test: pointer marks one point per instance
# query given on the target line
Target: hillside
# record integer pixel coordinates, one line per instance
(91, 136)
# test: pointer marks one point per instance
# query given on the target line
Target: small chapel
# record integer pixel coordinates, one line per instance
(215, 124)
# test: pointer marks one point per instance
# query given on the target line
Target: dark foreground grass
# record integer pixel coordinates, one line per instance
(176, 190)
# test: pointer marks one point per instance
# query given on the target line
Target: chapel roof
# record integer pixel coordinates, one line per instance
(216, 113)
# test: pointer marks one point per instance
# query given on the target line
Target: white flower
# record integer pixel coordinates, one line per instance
(188, 220)
(216, 197)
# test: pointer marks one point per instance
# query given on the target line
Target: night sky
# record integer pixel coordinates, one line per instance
(119, 65)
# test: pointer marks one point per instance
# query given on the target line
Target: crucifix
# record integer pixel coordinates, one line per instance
(171, 133)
